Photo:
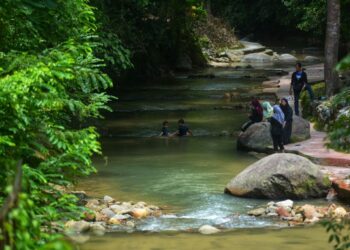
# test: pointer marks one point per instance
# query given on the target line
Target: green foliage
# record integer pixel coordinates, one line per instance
(156, 32)
(51, 85)
(308, 109)
(344, 64)
(339, 233)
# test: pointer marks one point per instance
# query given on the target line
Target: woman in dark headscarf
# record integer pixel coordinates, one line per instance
(288, 116)
(277, 123)
(256, 114)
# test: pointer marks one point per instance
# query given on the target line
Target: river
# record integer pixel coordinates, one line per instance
(187, 176)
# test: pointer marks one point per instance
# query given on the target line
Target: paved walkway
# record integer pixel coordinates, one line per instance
(315, 148)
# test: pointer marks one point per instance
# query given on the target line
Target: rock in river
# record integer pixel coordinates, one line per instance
(287, 58)
(258, 138)
(280, 176)
(207, 229)
(257, 58)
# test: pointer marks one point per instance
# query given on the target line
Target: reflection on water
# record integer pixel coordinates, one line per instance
(186, 176)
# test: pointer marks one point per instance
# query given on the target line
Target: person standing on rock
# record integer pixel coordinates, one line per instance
(299, 82)
(288, 117)
(277, 123)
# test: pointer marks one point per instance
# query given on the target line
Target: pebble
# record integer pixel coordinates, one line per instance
(207, 229)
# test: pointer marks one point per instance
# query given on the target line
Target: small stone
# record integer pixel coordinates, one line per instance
(108, 199)
(312, 220)
(282, 212)
(285, 204)
(108, 212)
(339, 212)
(114, 221)
(272, 215)
(101, 217)
(298, 218)
(271, 203)
(139, 213)
(77, 226)
(122, 217)
(130, 224)
(92, 204)
(257, 212)
(309, 211)
(207, 229)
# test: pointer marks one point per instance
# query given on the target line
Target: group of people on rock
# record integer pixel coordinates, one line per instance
(280, 117)
(183, 129)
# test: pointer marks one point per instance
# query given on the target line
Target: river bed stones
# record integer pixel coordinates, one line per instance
(106, 214)
(299, 214)
(280, 176)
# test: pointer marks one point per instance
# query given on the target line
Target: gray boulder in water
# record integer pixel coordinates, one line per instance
(280, 176)
(258, 137)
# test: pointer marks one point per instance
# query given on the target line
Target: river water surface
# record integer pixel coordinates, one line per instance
(186, 176)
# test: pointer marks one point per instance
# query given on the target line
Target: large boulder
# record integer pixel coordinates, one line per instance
(257, 58)
(258, 137)
(287, 58)
(280, 176)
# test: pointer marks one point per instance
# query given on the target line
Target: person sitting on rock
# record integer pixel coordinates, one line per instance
(183, 129)
(288, 117)
(165, 129)
(277, 123)
(267, 110)
(255, 116)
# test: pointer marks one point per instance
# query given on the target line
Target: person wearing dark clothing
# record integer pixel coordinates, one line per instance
(299, 82)
(165, 130)
(183, 129)
(256, 115)
(288, 117)
(277, 123)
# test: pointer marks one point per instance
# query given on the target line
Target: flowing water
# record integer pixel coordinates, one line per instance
(186, 176)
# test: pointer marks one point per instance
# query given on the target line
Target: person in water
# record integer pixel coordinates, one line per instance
(298, 83)
(277, 123)
(165, 129)
(183, 129)
(288, 117)
(255, 116)
(267, 110)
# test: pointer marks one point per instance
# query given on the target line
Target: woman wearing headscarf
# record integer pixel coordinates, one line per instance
(267, 110)
(256, 114)
(277, 124)
(288, 117)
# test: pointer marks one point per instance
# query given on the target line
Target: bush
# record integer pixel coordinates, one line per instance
(308, 108)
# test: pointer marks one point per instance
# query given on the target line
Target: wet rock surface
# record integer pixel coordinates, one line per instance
(280, 176)
(258, 137)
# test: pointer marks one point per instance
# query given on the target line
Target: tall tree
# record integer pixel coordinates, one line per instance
(332, 46)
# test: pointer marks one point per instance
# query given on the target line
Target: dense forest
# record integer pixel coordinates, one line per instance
(58, 60)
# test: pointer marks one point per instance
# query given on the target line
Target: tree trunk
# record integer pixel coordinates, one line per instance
(332, 46)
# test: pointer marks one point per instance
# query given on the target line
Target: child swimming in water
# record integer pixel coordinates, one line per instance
(183, 129)
(165, 130)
